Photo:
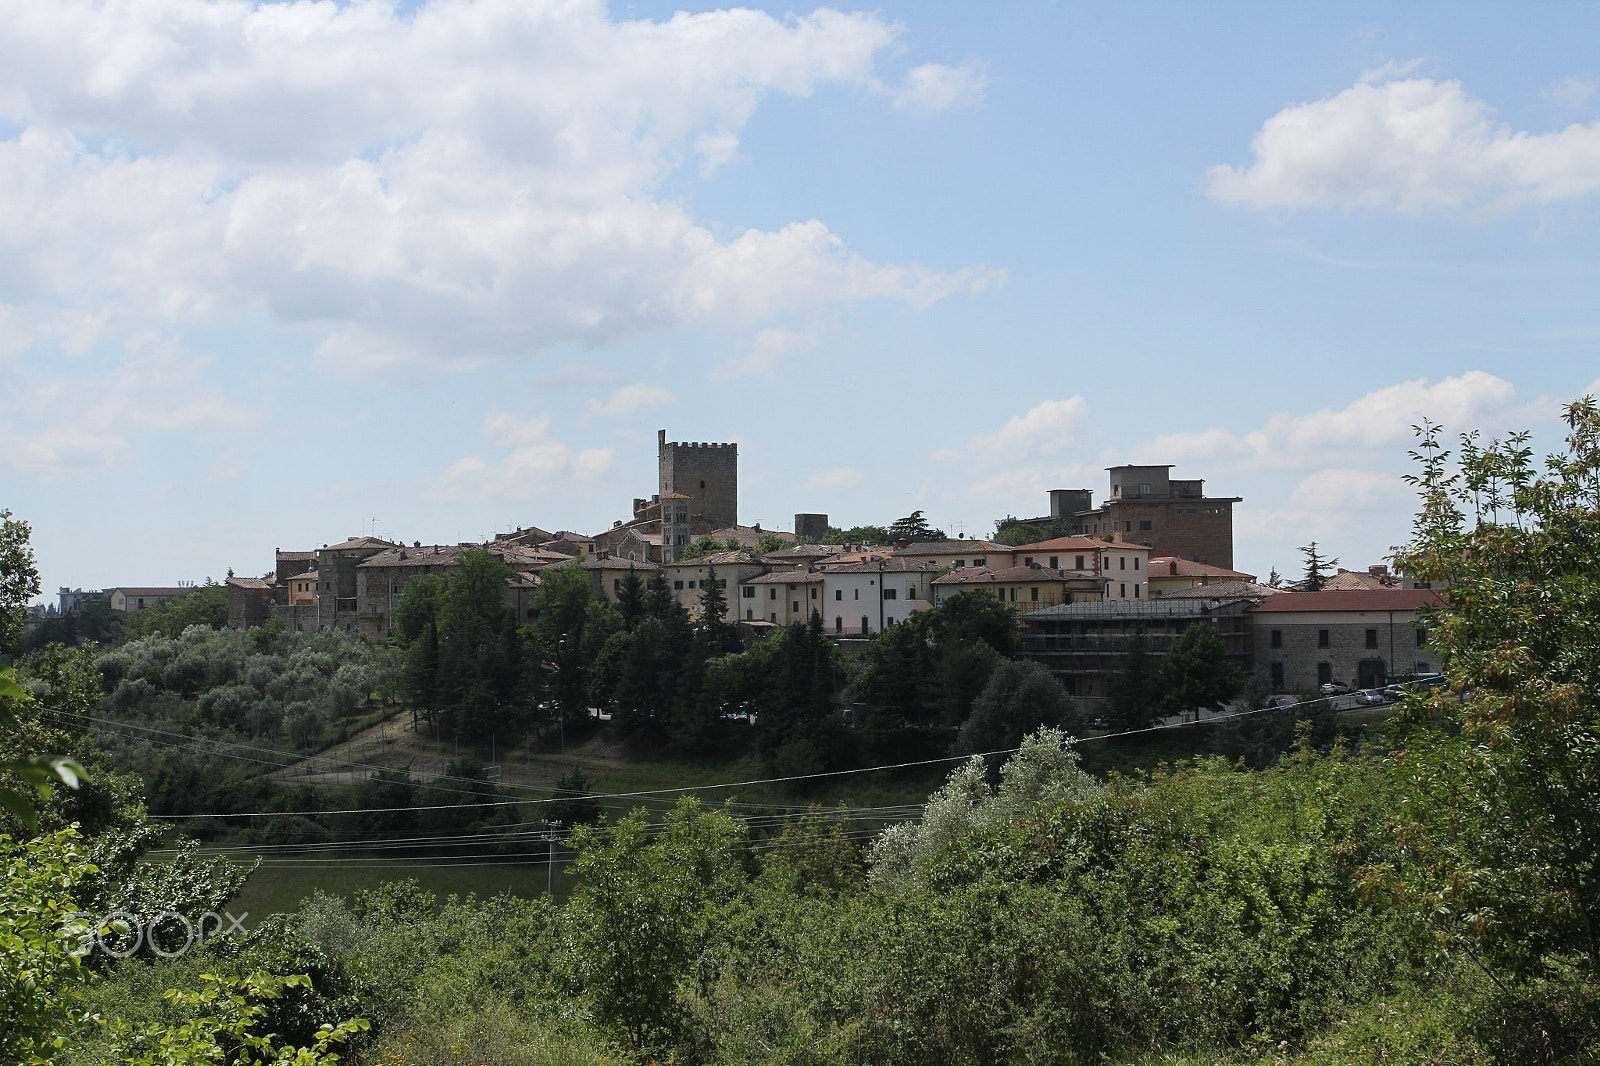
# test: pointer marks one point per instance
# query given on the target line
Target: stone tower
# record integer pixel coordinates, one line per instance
(706, 473)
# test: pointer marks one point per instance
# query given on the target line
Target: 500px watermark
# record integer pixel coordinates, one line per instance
(121, 933)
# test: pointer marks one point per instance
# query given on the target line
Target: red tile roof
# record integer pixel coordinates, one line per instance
(1364, 600)
(1172, 566)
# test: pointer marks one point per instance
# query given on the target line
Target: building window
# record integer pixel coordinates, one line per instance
(1277, 677)
(838, 594)
(677, 585)
(1123, 591)
(977, 562)
(1322, 640)
(691, 584)
(1013, 595)
(1122, 562)
(774, 616)
(889, 593)
(813, 593)
(772, 594)
(858, 594)
(1275, 639)
(1422, 636)
(1053, 564)
(1424, 668)
(616, 584)
(1324, 673)
(1080, 563)
(838, 624)
(1033, 594)
(1144, 488)
(1136, 590)
(1145, 525)
(748, 592)
(794, 606)
(749, 615)
(1136, 562)
(1372, 638)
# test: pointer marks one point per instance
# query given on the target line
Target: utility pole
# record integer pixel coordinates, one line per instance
(550, 838)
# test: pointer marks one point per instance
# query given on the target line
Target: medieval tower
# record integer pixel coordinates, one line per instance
(706, 473)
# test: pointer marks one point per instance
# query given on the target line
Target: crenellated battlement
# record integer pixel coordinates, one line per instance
(705, 471)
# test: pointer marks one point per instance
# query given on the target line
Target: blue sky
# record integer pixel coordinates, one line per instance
(272, 275)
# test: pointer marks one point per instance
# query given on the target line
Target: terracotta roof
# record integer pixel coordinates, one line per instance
(1172, 566)
(130, 590)
(729, 558)
(296, 557)
(951, 547)
(1069, 544)
(674, 496)
(977, 575)
(888, 564)
(1365, 600)
(360, 542)
(1356, 580)
(249, 582)
(787, 577)
(1222, 590)
(589, 562)
(805, 551)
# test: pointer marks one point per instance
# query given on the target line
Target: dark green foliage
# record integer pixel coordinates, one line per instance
(1020, 698)
(574, 800)
(1317, 569)
(205, 606)
(1503, 826)
(912, 528)
(797, 731)
(1134, 691)
(869, 535)
(630, 600)
(19, 580)
(1196, 673)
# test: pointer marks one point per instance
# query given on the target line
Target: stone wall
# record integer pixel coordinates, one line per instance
(1304, 662)
(707, 473)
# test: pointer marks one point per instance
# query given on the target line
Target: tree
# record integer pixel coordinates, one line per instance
(1021, 698)
(1134, 691)
(1502, 818)
(1317, 569)
(717, 636)
(877, 535)
(206, 605)
(704, 544)
(913, 527)
(630, 600)
(1196, 673)
(769, 542)
(574, 800)
(19, 580)
(1014, 534)
(645, 908)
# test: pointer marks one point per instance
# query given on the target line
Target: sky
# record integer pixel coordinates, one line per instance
(276, 274)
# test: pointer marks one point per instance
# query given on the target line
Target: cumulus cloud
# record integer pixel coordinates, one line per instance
(1376, 422)
(1572, 91)
(1343, 488)
(934, 87)
(535, 464)
(1044, 429)
(1409, 145)
(469, 180)
(627, 400)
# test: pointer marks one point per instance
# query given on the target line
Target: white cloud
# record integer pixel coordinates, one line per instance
(627, 400)
(1375, 423)
(471, 180)
(1408, 145)
(1572, 91)
(1044, 429)
(935, 87)
(839, 478)
(765, 354)
(152, 386)
(536, 464)
(1343, 489)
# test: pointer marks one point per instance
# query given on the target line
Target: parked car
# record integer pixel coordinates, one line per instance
(1336, 688)
(1370, 697)
(1393, 692)
(1283, 702)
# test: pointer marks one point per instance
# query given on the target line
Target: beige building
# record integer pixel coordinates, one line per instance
(135, 599)
(1120, 567)
(1022, 588)
(1169, 574)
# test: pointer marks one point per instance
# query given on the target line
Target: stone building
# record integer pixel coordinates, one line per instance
(706, 473)
(1084, 644)
(1363, 638)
